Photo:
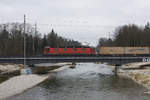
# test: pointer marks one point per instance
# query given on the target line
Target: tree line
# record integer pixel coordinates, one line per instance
(128, 35)
(12, 40)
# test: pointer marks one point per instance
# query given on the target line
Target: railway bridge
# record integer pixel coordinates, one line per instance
(117, 60)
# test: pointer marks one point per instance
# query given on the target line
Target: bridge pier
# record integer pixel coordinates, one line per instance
(117, 66)
(73, 65)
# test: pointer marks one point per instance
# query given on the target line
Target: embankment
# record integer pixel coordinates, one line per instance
(10, 69)
(19, 84)
(138, 72)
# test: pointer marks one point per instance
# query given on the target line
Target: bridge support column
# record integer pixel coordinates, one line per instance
(73, 65)
(116, 69)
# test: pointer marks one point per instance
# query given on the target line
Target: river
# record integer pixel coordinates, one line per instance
(87, 81)
(2, 79)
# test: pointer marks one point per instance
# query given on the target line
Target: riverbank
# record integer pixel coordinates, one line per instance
(21, 83)
(46, 67)
(10, 69)
(138, 72)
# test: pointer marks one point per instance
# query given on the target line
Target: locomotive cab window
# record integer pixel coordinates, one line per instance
(47, 49)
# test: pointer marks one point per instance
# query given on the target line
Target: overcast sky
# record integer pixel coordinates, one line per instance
(83, 20)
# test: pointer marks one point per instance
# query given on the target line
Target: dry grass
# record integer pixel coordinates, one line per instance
(6, 64)
(131, 74)
(141, 76)
(20, 65)
(145, 81)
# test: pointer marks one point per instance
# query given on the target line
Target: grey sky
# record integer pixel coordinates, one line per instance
(83, 20)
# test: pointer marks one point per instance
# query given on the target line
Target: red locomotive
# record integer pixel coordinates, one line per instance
(68, 50)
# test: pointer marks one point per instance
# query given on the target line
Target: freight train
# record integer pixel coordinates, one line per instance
(103, 51)
(134, 51)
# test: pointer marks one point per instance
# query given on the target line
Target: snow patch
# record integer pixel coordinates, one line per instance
(19, 84)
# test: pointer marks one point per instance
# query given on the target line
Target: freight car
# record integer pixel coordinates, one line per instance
(134, 51)
(69, 51)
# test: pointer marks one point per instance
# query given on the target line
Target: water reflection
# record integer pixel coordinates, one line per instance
(2, 79)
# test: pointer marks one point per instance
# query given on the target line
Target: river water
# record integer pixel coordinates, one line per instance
(2, 79)
(87, 81)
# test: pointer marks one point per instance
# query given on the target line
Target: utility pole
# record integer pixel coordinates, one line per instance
(33, 46)
(109, 37)
(24, 40)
